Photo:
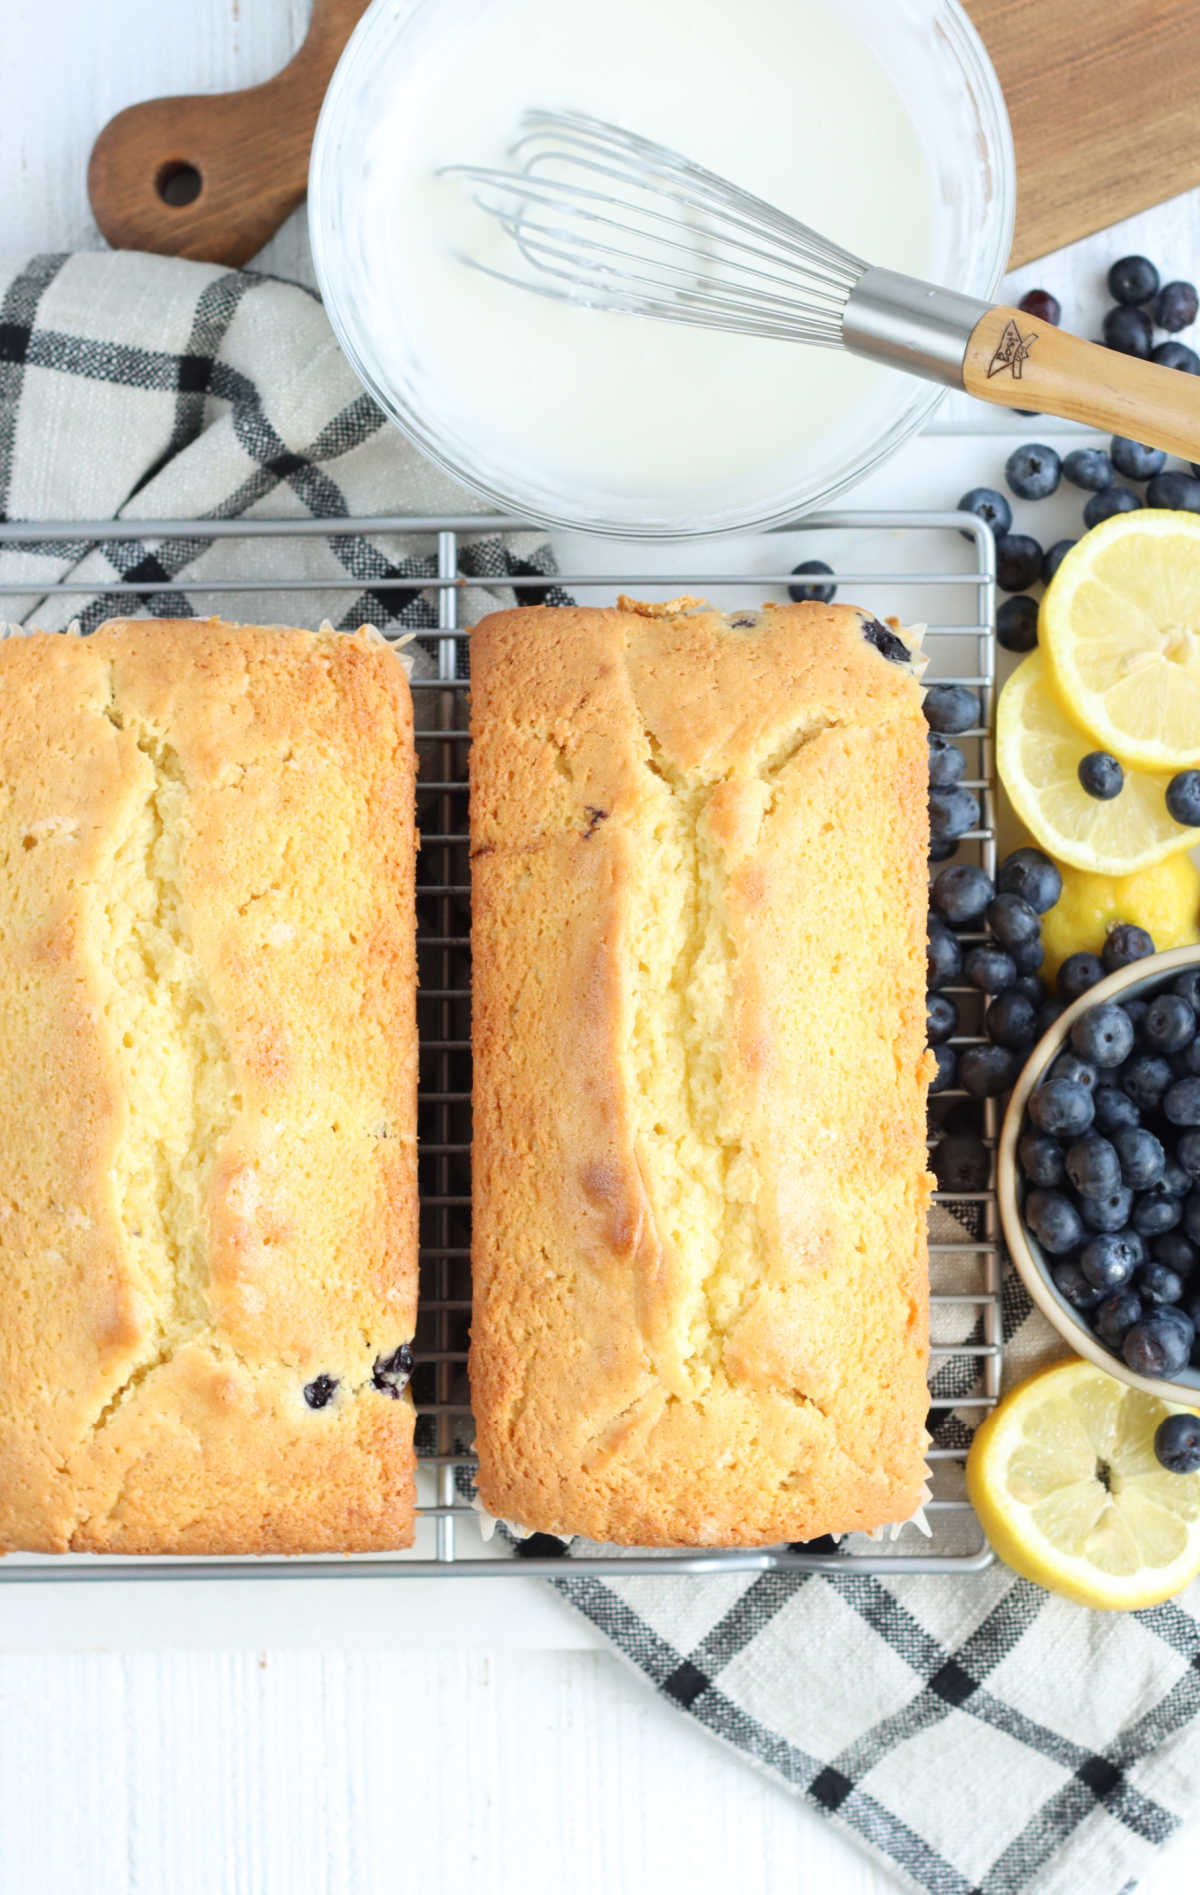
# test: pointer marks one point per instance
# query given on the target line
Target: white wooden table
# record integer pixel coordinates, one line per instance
(264, 1740)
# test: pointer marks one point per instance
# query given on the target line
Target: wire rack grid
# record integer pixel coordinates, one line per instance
(965, 1269)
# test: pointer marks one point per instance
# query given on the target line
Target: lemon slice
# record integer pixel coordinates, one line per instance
(1065, 1481)
(1037, 753)
(1120, 625)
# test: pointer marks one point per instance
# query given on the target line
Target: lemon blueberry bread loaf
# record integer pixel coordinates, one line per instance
(207, 1084)
(699, 896)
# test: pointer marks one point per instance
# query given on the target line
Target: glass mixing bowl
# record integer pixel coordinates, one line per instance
(930, 50)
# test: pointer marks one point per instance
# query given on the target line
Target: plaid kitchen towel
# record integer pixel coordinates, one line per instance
(973, 1732)
(139, 388)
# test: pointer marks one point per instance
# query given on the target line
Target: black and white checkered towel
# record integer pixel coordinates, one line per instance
(973, 1732)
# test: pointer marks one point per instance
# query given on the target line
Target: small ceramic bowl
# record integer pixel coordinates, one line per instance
(1137, 982)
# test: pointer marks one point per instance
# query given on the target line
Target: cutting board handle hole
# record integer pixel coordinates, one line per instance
(178, 183)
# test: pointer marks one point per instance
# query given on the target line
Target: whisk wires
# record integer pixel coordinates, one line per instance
(604, 217)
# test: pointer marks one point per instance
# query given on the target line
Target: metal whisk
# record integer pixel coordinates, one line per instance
(606, 218)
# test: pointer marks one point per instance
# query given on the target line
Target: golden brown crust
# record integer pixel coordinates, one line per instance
(208, 1078)
(699, 1254)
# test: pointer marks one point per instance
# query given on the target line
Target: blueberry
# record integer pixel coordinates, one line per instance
(1116, 1317)
(1045, 307)
(1017, 624)
(1093, 1167)
(1103, 1036)
(1049, 1013)
(952, 813)
(947, 764)
(1176, 355)
(1134, 459)
(941, 1018)
(1041, 1160)
(1101, 775)
(391, 1374)
(1012, 920)
(1027, 956)
(1175, 1250)
(961, 893)
(1032, 986)
(1187, 1154)
(1161, 1343)
(1054, 558)
(1183, 792)
(815, 591)
(1185, 1064)
(990, 969)
(1088, 467)
(1018, 561)
(1108, 1213)
(1102, 506)
(1175, 1179)
(1191, 1215)
(962, 1164)
(1145, 1078)
(946, 1068)
(1033, 471)
(1012, 1021)
(1141, 1156)
(1124, 945)
(989, 506)
(1157, 1283)
(987, 1071)
(1178, 492)
(1110, 1259)
(1080, 1072)
(1175, 306)
(943, 956)
(1155, 1211)
(1136, 1011)
(1074, 1287)
(1078, 973)
(1182, 1102)
(1128, 330)
(1054, 1221)
(886, 642)
(1061, 1107)
(1031, 875)
(1188, 984)
(1115, 1111)
(942, 850)
(1169, 1023)
(951, 709)
(1177, 1437)
(1132, 280)
(320, 1391)
(541, 1546)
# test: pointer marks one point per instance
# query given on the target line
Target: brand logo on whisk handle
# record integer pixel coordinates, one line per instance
(1012, 351)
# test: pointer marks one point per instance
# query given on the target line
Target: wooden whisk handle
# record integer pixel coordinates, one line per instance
(1018, 362)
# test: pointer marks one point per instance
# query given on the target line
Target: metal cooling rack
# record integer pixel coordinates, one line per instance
(915, 565)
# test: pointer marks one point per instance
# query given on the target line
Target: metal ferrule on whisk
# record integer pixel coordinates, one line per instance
(911, 324)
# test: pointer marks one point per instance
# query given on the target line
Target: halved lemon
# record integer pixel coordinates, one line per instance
(1064, 1478)
(1037, 754)
(1120, 626)
(1163, 899)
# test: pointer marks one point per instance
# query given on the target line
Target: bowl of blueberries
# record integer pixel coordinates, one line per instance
(1098, 1174)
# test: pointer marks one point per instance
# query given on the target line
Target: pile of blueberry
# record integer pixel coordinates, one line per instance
(1110, 1156)
(1035, 471)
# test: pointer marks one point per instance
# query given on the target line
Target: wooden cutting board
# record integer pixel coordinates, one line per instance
(1104, 98)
